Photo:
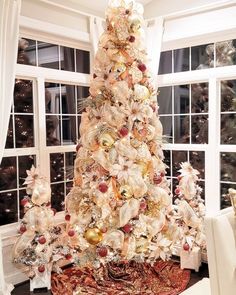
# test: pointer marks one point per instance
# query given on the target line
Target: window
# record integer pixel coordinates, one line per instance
(44, 123)
(198, 112)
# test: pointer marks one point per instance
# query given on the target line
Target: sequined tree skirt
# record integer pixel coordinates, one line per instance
(164, 278)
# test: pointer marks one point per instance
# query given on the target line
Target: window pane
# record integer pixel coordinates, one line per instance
(82, 93)
(166, 122)
(199, 97)
(167, 161)
(228, 95)
(226, 53)
(164, 100)
(177, 158)
(82, 61)
(58, 196)
(181, 134)
(202, 185)
(23, 96)
(25, 163)
(22, 194)
(9, 141)
(197, 160)
(8, 207)
(78, 122)
(228, 128)
(24, 131)
(202, 57)
(26, 52)
(8, 174)
(225, 201)
(70, 158)
(199, 129)
(69, 186)
(52, 98)
(68, 130)
(181, 60)
(68, 99)
(181, 101)
(67, 56)
(165, 65)
(228, 164)
(53, 130)
(57, 167)
(48, 56)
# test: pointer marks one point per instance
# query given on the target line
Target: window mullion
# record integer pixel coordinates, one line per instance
(212, 173)
(44, 162)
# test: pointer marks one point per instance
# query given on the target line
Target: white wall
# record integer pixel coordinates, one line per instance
(36, 9)
(163, 7)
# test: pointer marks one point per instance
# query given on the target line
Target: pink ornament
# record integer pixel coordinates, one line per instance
(68, 256)
(186, 246)
(54, 211)
(142, 67)
(71, 233)
(103, 187)
(42, 240)
(103, 229)
(177, 191)
(22, 228)
(24, 201)
(131, 39)
(41, 268)
(103, 252)
(124, 131)
(157, 179)
(143, 205)
(127, 228)
(67, 217)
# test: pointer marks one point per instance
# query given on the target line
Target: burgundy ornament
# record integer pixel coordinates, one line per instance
(142, 67)
(103, 187)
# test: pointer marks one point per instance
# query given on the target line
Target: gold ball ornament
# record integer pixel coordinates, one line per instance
(120, 67)
(93, 236)
(141, 92)
(126, 191)
(135, 23)
(106, 140)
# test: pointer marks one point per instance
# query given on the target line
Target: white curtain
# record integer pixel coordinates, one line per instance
(96, 30)
(9, 30)
(154, 34)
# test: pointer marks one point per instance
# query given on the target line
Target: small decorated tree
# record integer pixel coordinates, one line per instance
(190, 212)
(39, 244)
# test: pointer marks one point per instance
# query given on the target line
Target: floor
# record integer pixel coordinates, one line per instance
(23, 289)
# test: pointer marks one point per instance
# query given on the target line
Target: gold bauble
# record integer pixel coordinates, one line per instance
(141, 92)
(106, 140)
(120, 67)
(126, 191)
(143, 167)
(142, 245)
(93, 236)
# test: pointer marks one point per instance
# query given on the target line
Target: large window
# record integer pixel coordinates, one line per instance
(197, 98)
(44, 122)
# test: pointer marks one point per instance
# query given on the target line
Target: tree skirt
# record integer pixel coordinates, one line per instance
(164, 278)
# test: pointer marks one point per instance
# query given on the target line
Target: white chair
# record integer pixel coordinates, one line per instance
(221, 252)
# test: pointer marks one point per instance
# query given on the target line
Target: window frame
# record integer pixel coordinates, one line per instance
(62, 36)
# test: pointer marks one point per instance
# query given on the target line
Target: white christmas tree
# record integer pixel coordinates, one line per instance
(120, 206)
(40, 244)
(190, 208)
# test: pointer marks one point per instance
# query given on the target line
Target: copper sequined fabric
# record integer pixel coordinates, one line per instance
(164, 278)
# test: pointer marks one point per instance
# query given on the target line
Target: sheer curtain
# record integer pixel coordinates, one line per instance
(9, 30)
(96, 30)
(154, 34)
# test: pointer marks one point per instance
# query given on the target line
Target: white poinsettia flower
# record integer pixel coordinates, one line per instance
(161, 248)
(123, 169)
(187, 170)
(136, 111)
